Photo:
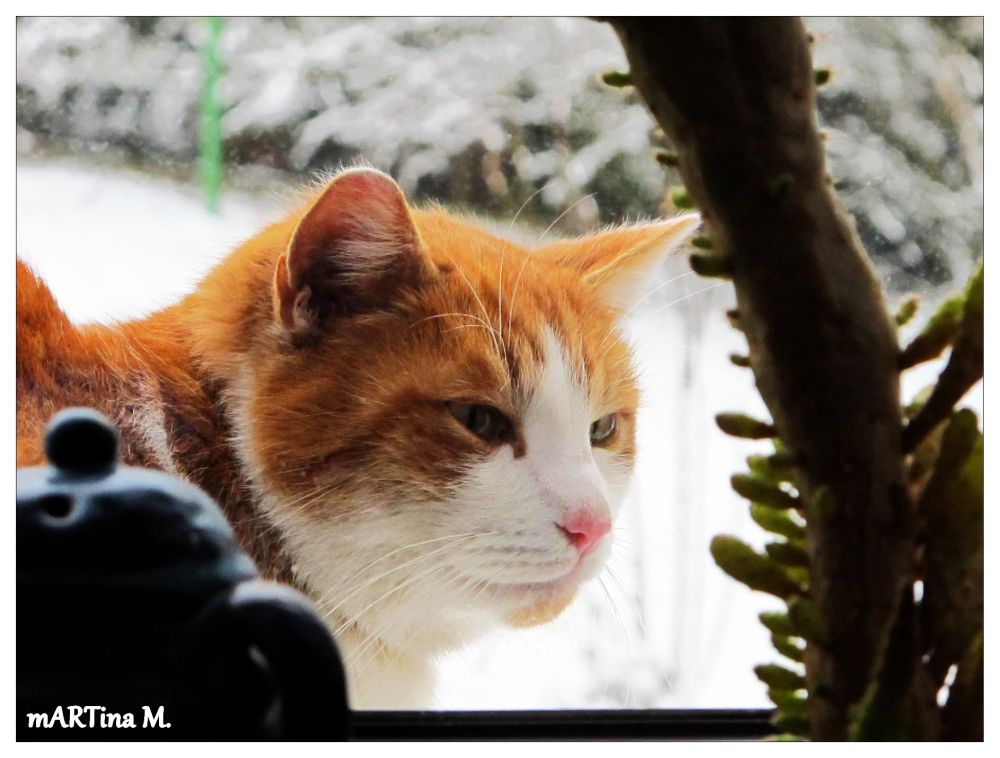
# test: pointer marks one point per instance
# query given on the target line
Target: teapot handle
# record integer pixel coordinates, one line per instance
(300, 654)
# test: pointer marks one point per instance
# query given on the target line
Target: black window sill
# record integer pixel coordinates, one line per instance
(686, 724)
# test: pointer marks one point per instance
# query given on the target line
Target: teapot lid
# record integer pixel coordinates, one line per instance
(87, 521)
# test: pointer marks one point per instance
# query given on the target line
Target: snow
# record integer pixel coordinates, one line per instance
(116, 245)
(487, 110)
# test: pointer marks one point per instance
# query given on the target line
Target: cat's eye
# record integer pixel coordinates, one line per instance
(484, 421)
(602, 430)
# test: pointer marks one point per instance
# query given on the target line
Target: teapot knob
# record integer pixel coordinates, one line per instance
(81, 441)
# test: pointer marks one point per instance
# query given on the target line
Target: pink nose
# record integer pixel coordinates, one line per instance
(583, 529)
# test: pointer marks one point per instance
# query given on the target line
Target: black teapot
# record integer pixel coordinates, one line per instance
(139, 617)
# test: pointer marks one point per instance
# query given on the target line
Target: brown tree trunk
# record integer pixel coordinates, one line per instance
(736, 98)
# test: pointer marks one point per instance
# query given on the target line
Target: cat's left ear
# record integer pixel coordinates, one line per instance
(619, 262)
(351, 252)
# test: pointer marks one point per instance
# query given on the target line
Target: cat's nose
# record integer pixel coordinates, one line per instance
(584, 528)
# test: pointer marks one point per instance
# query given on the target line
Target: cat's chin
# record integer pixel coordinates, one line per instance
(540, 613)
(546, 600)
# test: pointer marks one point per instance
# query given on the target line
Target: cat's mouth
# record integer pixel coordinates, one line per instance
(528, 603)
(588, 564)
(562, 588)
(569, 581)
(540, 602)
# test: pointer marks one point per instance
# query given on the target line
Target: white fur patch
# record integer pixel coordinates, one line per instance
(557, 433)
(402, 582)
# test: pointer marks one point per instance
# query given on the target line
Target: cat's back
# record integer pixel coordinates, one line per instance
(57, 365)
(43, 334)
(41, 325)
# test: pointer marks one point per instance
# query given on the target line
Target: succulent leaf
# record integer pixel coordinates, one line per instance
(787, 554)
(779, 678)
(617, 79)
(741, 425)
(907, 310)
(680, 198)
(777, 521)
(787, 648)
(756, 571)
(666, 158)
(717, 266)
(937, 334)
(777, 623)
(762, 492)
(778, 467)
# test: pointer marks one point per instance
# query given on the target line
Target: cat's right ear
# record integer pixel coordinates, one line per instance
(351, 252)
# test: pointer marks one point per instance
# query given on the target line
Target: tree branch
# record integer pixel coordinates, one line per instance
(736, 97)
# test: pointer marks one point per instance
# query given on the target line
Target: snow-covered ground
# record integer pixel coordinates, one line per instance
(663, 627)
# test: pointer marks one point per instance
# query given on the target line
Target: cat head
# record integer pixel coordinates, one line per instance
(443, 420)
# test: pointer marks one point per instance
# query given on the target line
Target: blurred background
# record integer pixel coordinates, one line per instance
(125, 199)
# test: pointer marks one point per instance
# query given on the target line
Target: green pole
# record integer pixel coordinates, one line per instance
(211, 117)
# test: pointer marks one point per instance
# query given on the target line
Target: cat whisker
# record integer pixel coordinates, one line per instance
(475, 294)
(402, 585)
(419, 559)
(621, 626)
(628, 601)
(446, 315)
(561, 215)
(608, 345)
(513, 297)
(689, 295)
(453, 583)
(466, 326)
(657, 288)
(524, 205)
(616, 614)
(658, 654)
(398, 550)
(295, 507)
(503, 256)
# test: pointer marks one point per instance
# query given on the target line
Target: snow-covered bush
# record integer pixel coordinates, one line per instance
(485, 113)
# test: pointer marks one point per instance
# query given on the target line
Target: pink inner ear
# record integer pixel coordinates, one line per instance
(351, 249)
(360, 200)
(359, 221)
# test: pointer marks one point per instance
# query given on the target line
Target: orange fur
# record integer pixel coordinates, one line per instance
(308, 372)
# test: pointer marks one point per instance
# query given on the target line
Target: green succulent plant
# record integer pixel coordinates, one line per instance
(874, 508)
(946, 477)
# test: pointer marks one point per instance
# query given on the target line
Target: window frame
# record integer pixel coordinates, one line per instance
(577, 724)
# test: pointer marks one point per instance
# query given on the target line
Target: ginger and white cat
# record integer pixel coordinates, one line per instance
(426, 428)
